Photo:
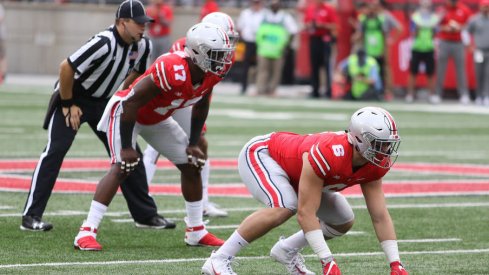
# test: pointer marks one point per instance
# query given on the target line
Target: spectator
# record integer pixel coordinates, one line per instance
(320, 23)
(3, 58)
(478, 26)
(375, 25)
(272, 40)
(160, 30)
(145, 109)
(423, 24)
(454, 15)
(208, 7)
(87, 80)
(362, 74)
(248, 23)
(304, 174)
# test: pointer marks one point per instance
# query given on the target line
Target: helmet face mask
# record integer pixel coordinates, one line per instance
(209, 48)
(374, 134)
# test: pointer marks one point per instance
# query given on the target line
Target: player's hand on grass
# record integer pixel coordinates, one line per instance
(398, 269)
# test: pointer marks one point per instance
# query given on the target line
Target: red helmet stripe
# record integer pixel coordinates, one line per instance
(393, 123)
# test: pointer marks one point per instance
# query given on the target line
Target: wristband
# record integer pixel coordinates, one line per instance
(391, 251)
(67, 103)
(316, 241)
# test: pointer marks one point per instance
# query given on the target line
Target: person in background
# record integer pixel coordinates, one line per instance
(454, 15)
(159, 31)
(208, 7)
(3, 57)
(375, 26)
(87, 80)
(248, 23)
(302, 174)
(320, 24)
(423, 25)
(362, 74)
(478, 26)
(272, 40)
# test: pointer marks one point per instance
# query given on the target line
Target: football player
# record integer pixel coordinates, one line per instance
(292, 173)
(174, 81)
(182, 116)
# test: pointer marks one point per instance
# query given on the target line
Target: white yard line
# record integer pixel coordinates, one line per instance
(167, 261)
(245, 209)
(430, 240)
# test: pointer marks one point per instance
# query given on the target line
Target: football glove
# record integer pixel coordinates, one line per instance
(398, 269)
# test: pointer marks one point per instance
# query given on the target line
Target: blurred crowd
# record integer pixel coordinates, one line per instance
(348, 49)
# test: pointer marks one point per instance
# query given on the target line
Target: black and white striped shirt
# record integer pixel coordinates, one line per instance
(102, 64)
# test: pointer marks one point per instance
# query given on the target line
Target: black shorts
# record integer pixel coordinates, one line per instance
(426, 58)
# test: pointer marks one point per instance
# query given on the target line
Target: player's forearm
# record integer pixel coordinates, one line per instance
(384, 228)
(130, 79)
(199, 115)
(66, 76)
(127, 122)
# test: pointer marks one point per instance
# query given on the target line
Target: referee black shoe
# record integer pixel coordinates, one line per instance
(156, 222)
(33, 223)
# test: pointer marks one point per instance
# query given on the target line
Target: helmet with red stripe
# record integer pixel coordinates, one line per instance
(226, 23)
(375, 136)
(209, 47)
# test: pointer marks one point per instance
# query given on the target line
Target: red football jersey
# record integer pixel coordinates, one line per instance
(330, 155)
(171, 74)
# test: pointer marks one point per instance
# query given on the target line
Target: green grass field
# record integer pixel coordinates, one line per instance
(442, 234)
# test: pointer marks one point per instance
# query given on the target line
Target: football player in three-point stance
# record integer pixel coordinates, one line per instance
(292, 173)
(175, 80)
(182, 116)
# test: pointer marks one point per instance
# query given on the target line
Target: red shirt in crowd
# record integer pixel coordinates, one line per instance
(163, 16)
(458, 14)
(322, 13)
(208, 7)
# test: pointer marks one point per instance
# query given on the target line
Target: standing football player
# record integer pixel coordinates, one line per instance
(303, 173)
(183, 116)
(174, 81)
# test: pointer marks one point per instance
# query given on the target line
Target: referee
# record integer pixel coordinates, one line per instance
(87, 80)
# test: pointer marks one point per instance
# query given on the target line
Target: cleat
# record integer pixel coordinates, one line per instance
(291, 258)
(156, 222)
(330, 268)
(33, 223)
(212, 210)
(434, 99)
(209, 239)
(218, 264)
(87, 243)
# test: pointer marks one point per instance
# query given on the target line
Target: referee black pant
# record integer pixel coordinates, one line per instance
(320, 55)
(134, 188)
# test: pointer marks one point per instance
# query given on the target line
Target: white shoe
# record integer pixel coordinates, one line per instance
(409, 98)
(478, 101)
(434, 99)
(291, 258)
(485, 101)
(218, 264)
(464, 99)
(213, 210)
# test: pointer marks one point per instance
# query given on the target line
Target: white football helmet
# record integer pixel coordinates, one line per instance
(226, 23)
(374, 134)
(209, 47)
